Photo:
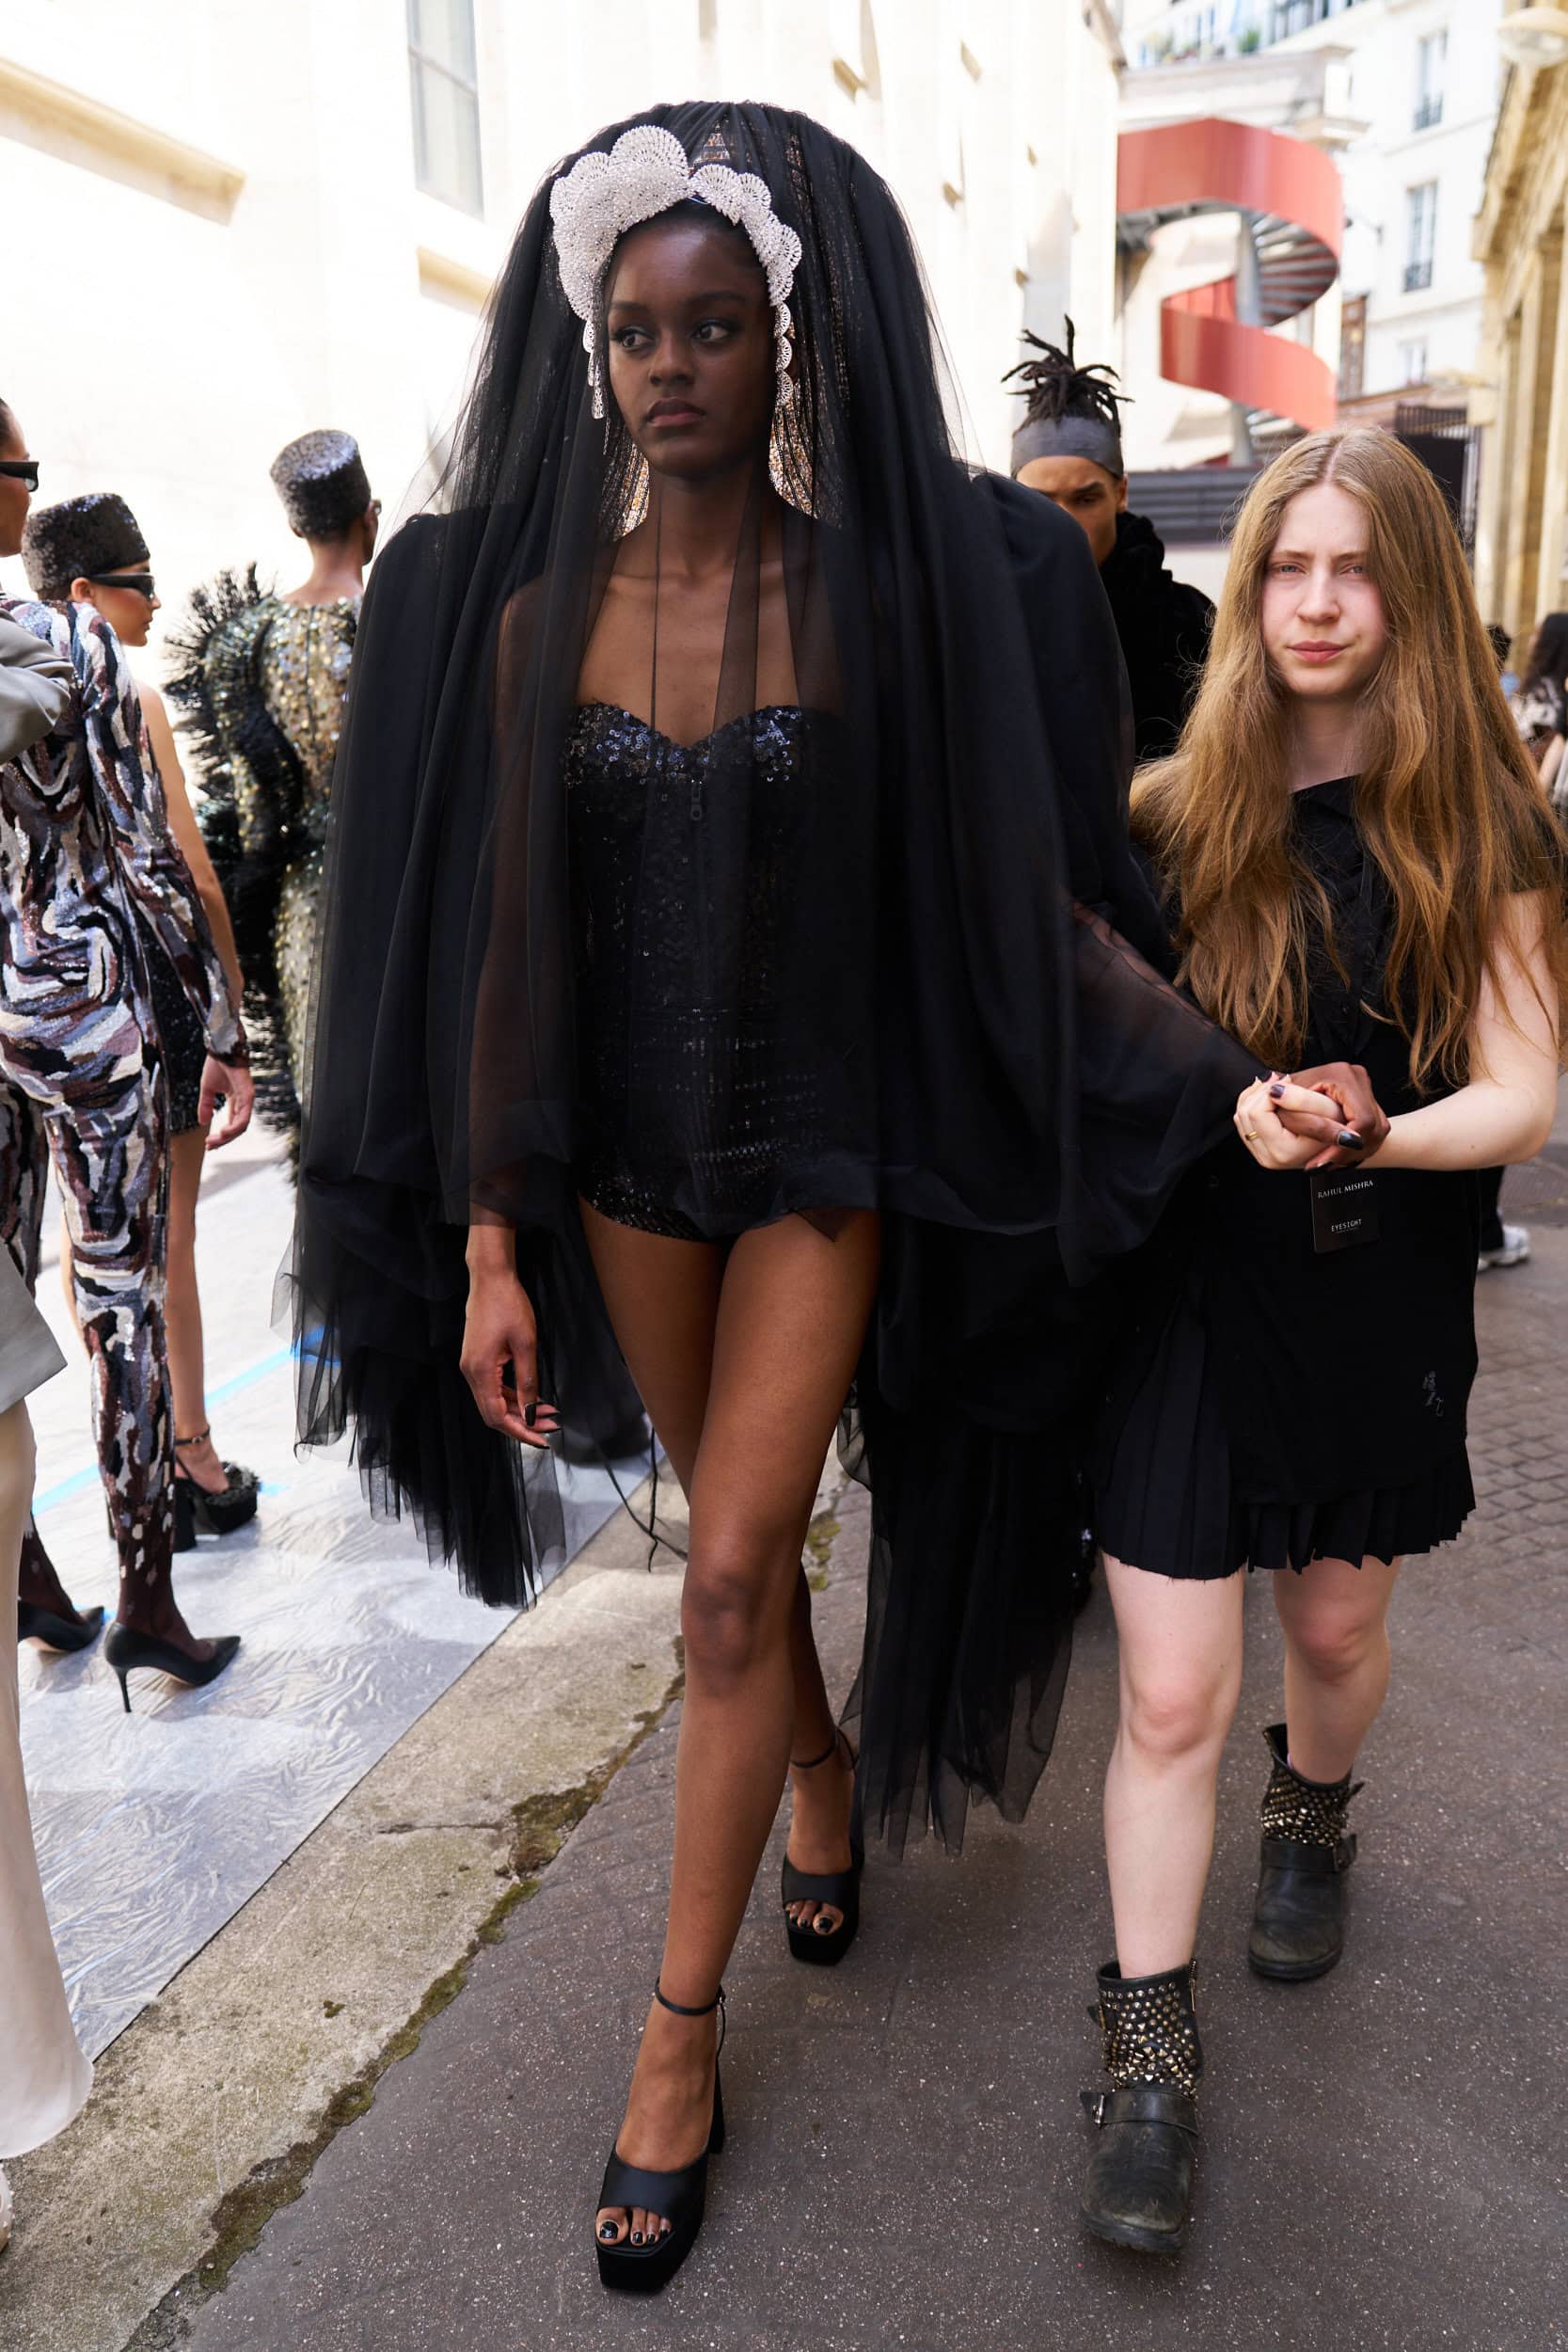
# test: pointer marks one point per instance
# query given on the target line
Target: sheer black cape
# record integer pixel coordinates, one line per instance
(969, 962)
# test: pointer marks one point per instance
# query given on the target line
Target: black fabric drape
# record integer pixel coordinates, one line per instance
(951, 915)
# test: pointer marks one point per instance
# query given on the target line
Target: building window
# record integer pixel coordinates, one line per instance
(1420, 234)
(1413, 362)
(1432, 51)
(444, 70)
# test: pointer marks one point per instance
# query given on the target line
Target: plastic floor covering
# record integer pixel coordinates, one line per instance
(153, 1828)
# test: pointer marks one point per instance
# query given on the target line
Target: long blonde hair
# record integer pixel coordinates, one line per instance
(1447, 803)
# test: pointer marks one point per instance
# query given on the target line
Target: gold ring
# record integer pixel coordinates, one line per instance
(1249, 1134)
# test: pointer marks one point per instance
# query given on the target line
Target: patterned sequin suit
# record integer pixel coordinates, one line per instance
(85, 841)
(260, 683)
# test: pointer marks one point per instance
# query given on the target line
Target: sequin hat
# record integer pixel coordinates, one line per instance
(321, 481)
(80, 538)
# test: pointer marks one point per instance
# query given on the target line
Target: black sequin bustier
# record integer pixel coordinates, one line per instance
(700, 1091)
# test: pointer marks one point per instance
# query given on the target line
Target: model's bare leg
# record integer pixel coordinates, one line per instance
(782, 1343)
(187, 1362)
(1180, 1645)
(1336, 1624)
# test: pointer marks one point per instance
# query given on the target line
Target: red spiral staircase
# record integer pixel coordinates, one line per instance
(1215, 336)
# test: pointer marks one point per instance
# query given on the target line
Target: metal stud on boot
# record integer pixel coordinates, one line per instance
(1298, 1921)
(1138, 2189)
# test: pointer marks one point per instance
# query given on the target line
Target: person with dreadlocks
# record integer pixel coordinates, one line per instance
(1069, 447)
(730, 971)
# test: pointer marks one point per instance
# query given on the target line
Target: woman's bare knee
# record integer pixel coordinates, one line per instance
(1335, 1647)
(1177, 1720)
(735, 1605)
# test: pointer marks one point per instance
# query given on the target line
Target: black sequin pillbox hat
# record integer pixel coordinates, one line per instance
(321, 481)
(80, 538)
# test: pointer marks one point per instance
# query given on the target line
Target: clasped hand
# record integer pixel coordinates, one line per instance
(1322, 1118)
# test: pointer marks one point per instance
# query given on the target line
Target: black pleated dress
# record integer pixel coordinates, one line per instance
(1274, 1405)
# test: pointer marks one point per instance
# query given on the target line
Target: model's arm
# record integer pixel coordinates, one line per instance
(187, 835)
(155, 873)
(35, 684)
(1506, 1111)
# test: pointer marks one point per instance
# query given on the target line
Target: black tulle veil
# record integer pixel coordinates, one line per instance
(950, 915)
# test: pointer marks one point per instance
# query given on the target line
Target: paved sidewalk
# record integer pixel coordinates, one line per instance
(1384, 2163)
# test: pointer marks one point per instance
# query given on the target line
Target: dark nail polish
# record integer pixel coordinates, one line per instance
(637, 2237)
(1348, 1139)
(607, 2232)
(1278, 1089)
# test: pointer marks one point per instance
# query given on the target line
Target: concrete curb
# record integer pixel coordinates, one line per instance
(209, 2111)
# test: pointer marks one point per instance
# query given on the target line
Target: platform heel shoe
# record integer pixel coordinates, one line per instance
(1138, 2189)
(220, 1513)
(824, 1949)
(1298, 1921)
(678, 2197)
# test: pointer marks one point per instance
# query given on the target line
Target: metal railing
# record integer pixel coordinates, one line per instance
(1428, 114)
(1418, 277)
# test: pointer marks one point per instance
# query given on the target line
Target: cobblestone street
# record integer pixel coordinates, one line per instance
(1384, 2162)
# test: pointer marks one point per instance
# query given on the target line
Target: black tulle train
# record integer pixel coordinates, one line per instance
(922, 936)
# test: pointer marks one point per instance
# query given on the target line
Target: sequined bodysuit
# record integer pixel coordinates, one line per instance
(305, 655)
(687, 895)
(263, 692)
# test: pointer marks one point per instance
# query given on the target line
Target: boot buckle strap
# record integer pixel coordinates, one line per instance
(1093, 2103)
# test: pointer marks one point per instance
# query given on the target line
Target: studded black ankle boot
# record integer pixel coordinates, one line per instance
(1298, 1923)
(1138, 2189)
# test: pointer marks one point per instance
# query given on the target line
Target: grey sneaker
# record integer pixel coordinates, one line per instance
(1516, 1250)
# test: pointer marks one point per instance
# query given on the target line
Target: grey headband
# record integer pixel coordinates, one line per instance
(1068, 437)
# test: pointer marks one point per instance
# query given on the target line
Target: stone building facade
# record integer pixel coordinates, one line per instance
(1522, 541)
(229, 224)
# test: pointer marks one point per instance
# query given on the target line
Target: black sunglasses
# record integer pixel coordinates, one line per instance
(141, 581)
(21, 470)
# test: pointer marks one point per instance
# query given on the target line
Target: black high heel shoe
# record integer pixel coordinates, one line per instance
(220, 1513)
(37, 1624)
(678, 2197)
(824, 1947)
(125, 1650)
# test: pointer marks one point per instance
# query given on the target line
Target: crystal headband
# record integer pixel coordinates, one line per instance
(646, 173)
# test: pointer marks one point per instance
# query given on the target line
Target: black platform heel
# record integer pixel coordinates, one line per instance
(678, 2197)
(220, 1513)
(125, 1650)
(34, 1624)
(824, 1947)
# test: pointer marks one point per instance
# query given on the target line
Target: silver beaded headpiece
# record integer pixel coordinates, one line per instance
(646, 173)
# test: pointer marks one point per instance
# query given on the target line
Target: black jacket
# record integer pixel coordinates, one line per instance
(1164, 626)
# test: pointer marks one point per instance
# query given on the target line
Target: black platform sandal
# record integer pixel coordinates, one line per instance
(823, 1948)
(66, 1634)
(220, 1513)
(678, 2197)
(1138, 2189)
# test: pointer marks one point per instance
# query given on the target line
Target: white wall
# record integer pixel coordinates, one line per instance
(164, 341)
